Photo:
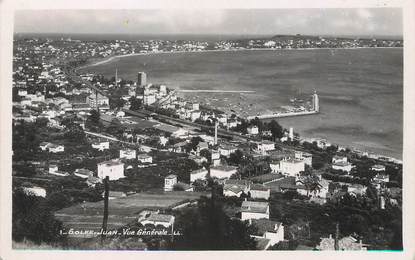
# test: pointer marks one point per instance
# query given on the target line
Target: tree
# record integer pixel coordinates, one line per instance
(276, 130)
(58, 200)
(93, 121)
(135, 103)
(207, 227)
(257, 122)
(193, 143)
(94, 117)
(116, 103)
(33, 220)
(75, 133)
(207, 154)
(236, 158)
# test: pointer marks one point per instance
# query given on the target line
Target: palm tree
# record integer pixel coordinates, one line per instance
(311, 183)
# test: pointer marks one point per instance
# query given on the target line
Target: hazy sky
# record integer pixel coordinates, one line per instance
(373, 21)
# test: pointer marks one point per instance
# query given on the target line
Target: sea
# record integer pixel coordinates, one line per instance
(360, 90)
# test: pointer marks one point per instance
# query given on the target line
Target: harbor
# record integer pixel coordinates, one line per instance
(293, 111)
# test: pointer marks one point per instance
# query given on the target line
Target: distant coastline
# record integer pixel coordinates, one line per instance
(99, 61)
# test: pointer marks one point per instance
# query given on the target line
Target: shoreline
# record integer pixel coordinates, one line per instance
(105, 60)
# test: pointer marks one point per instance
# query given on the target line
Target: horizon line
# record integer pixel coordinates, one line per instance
(213, 34)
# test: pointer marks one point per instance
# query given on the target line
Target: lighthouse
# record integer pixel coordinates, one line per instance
(316, 105)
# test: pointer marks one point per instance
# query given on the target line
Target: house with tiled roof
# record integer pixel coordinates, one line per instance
(56, 148)
(199, 174)
(259, 191)
(254, 210)
(222, 171)
(235, 188)
(156, 219)
(267, 232)
(348, 243)
(114, 169)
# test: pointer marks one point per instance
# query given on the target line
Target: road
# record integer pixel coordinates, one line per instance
(226, 133)
(117, 140)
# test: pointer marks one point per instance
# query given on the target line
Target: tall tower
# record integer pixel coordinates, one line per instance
(316, 105)
(216, 133)
(141, 79)
(291, 134)
(116, 77)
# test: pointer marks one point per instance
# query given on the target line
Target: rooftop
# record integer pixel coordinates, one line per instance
(199, 171)
(111, 163)
(259, 187)
(254, 206)
(166, 128)
(160, 218)
(143, 156)
(265, 225)
(225, 168)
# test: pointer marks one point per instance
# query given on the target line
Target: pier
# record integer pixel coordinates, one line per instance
(280, 115)
(213, 91)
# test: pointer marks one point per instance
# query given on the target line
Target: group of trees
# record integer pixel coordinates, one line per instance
(207, 227)
(33, 220)
(277, 131)
(25, 140)
(248, 165)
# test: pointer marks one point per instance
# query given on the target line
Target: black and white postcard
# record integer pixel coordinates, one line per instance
(207, 128)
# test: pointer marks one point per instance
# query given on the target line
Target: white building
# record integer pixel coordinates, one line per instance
(254, 210)
(321, 142)
(339, 159)
(199, 174)
(342, 166)
(235, 188)
(226, 150)
(306, 157)
(144, 158)
(114, 169)
(381, 178)
(289, 167)
(101, 146)
(149, 99)
(265, 146)
(93, 99)
(163, 89)
(169, 182)
(252, 130)
(258, 191)
(195, 115)
(83, 173)
(35, 191)
(378, 168)
(271, 232)
(56, 148)
(215, 157)
(53, 168)
(158, 220)
(222, 171)
(128, 154)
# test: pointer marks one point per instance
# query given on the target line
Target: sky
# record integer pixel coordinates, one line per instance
(328, 21)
